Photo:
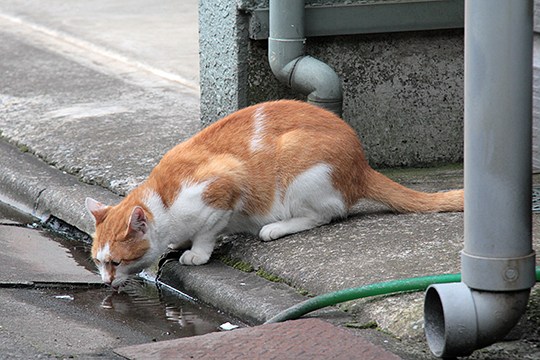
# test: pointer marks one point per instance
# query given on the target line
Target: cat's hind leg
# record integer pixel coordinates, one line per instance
(310, 201)
(282, 228)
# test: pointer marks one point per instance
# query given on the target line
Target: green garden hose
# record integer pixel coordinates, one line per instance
(383, 288)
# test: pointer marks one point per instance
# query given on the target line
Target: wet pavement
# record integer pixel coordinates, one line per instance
(53, 305)
(31, 260)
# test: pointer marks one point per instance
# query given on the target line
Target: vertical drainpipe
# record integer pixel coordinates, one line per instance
(497, 260)
(291, 66)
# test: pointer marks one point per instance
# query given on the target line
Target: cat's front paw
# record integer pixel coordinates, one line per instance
(190, 257)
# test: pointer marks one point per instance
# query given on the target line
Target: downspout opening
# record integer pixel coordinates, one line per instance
(451, 321)
(434, 321)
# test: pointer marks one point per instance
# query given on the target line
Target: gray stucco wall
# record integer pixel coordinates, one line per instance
(223, 43)
(403, 92)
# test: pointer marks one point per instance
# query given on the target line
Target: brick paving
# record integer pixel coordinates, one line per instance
(300, 339)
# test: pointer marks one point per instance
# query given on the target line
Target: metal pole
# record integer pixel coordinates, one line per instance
(498, 123)
(497, 261)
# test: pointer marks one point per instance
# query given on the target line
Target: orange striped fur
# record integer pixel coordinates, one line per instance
(273, 169)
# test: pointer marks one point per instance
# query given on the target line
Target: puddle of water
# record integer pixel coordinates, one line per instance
(158, 313)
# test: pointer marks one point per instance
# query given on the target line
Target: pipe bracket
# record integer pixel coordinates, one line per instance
(498, 274)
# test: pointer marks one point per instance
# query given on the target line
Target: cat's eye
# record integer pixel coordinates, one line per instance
(115, 263)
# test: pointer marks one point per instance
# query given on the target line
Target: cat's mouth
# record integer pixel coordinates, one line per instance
(122, 281)
(117, 285)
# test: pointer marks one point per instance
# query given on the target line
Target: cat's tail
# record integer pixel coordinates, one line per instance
(380, 188)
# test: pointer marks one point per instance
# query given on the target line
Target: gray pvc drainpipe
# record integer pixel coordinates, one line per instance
(497, 261)
(289, 63)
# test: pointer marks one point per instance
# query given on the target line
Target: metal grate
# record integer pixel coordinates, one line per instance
(536, 199)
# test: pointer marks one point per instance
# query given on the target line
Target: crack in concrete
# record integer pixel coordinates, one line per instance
(38, 197)
(25, 225)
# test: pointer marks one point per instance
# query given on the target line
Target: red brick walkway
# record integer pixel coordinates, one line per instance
(301, 339)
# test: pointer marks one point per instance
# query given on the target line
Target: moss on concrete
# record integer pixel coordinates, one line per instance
(454, 168)
(368, 325)
(237, 264)
(269, 276)
(428, 179)
(24, 148)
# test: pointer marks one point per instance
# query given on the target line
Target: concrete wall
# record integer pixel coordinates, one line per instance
(403, 92)
(223, 47)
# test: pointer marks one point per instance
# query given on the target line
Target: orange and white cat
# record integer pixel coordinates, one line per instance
(272, 169)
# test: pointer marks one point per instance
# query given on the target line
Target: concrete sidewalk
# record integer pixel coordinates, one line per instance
(94, 93)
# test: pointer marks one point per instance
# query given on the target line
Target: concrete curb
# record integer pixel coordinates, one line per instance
(246, 296)
(36, 188)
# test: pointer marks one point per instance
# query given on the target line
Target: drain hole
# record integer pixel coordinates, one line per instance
(536, 199)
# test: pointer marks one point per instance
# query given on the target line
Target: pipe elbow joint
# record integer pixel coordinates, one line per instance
(319, 82)
(311, 77)
(459, 320)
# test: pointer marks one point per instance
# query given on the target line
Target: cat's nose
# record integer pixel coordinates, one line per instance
(107, 278)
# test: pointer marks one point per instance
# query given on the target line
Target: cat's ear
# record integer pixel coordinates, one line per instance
(96, 209)
(138, 222)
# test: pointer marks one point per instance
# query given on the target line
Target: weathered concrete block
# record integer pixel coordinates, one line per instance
(223, 51)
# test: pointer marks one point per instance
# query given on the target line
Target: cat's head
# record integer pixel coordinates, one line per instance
(121, 246)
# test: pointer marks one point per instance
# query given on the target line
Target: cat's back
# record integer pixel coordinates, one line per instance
(256, 127)
(261, 149)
